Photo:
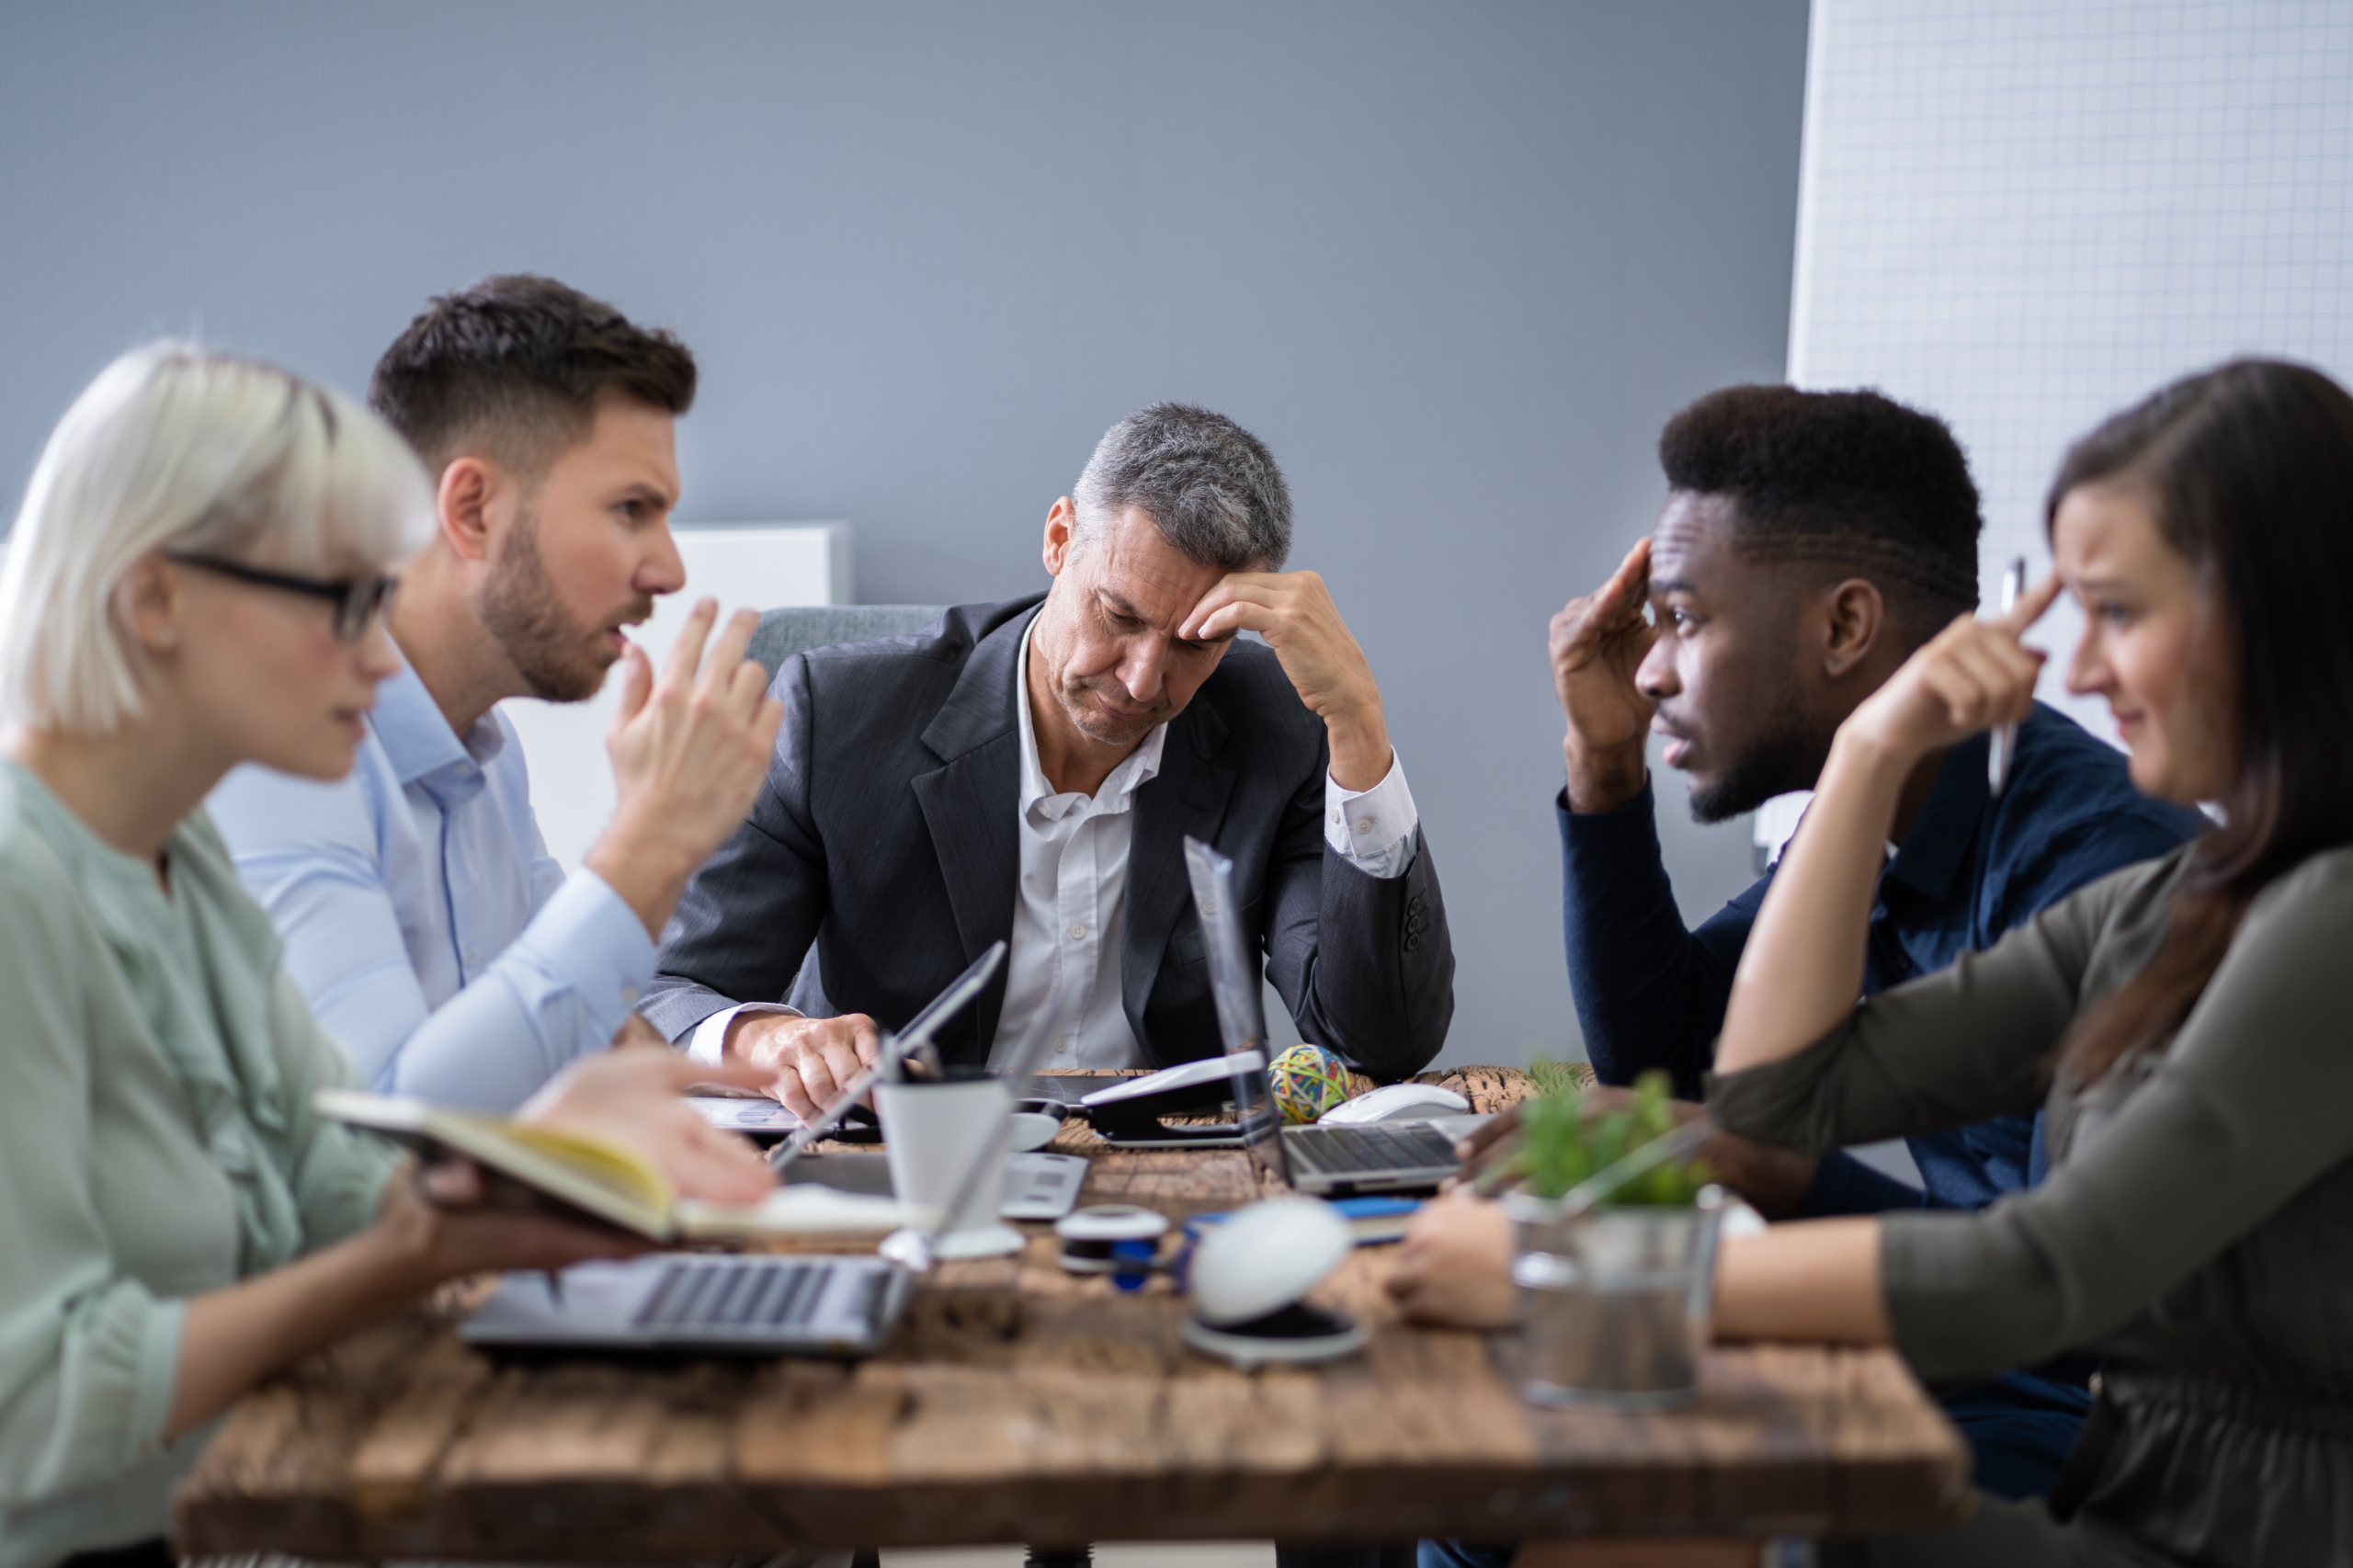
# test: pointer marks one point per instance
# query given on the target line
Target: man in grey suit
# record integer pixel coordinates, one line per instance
(1029, 771)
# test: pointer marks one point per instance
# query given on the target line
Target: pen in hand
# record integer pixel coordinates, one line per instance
(2004, 744)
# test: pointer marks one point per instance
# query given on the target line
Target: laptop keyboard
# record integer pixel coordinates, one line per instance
(1338, 1151)
(697, 1293)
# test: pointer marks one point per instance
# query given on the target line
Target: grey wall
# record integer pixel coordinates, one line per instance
(1455, 262)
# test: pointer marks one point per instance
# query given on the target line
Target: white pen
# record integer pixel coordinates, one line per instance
(2005, 743)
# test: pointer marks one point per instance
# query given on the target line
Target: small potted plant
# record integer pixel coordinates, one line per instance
(1613, 1297)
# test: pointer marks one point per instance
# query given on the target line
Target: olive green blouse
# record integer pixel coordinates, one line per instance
(157, 1141)
(2196, 1230)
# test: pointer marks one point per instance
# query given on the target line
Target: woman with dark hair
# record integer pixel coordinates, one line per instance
(2182, 1022)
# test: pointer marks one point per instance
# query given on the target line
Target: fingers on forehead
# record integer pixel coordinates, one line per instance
(1254, 590)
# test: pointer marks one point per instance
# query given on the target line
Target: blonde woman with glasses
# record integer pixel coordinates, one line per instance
(196, 581)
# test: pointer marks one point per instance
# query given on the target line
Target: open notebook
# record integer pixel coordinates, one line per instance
(562, 1172)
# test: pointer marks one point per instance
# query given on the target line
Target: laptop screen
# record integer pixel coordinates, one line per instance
(885, 1067)
(1233, 983)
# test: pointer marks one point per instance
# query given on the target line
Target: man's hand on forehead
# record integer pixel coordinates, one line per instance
(1294, 612)
(1597, 644)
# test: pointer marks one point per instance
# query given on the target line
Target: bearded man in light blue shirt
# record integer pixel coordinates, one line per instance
(423, 917)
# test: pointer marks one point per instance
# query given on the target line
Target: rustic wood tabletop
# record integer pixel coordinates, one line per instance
(1019, 1403)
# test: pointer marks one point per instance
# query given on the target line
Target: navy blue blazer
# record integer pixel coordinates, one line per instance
(1651, 994)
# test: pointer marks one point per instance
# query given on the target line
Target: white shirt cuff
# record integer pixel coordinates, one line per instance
(1373, 829)
(708, 1044)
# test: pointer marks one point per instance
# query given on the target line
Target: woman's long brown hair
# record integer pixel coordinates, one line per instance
(2249, 470)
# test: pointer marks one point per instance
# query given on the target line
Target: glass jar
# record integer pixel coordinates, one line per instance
(1613, 1304)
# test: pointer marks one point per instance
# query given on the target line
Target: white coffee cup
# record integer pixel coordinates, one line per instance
(934, 1134)
(1030, 1129)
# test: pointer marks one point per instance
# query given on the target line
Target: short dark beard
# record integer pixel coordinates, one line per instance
(525, 616)
(1784, 757)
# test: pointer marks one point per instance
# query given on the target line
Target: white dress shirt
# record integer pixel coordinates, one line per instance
(1073, 887)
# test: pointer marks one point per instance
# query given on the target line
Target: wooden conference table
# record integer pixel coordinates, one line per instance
(1018, 1404)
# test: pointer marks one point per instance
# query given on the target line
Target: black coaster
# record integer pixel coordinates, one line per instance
(1293, 1334)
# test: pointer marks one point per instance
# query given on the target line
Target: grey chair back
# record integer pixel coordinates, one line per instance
(796, 629)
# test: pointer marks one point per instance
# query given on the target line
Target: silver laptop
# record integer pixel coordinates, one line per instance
(1036, 1186)
(761, 1306)
(750, 1305)
(1325, 1161)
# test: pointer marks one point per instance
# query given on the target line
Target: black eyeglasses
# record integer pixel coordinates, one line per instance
(358, 600)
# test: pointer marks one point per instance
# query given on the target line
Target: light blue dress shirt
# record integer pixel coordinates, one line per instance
(423, 916)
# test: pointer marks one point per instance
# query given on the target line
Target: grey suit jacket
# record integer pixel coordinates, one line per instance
(888, 834)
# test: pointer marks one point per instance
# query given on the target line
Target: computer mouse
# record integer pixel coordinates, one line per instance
(1247, 1276)
(1396, 1102)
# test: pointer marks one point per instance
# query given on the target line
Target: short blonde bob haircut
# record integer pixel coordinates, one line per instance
(174, 447)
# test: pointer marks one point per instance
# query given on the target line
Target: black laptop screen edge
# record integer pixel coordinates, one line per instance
(1241, 1019)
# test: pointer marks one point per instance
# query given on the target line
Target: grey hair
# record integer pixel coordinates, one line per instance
(1211, 487)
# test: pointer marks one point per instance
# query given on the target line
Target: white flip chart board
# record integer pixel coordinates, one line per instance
(2026, 214)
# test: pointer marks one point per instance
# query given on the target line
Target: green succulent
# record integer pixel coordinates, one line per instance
(1562, 1140)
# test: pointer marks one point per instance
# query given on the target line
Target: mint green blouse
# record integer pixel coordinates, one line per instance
(157, 1141)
